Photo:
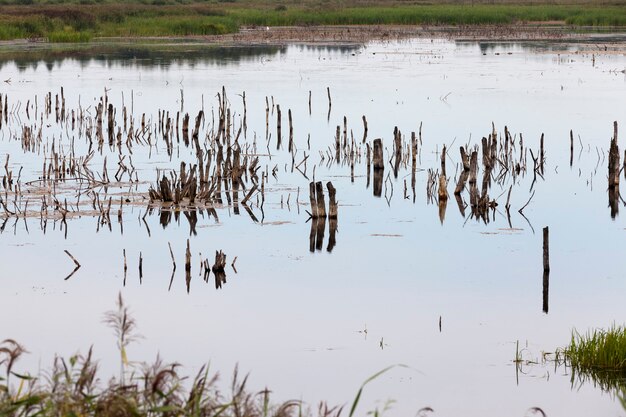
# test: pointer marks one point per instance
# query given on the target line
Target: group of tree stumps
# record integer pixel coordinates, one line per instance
(318, 216)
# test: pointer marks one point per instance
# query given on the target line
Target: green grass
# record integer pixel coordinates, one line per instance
(168, 26)
(598, 358)
(69, 36)
(600, 350)
(413, 15)
(79, 23)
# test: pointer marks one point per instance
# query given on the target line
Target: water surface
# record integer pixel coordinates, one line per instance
(296, 318)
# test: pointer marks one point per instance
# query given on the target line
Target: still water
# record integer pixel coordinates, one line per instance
(449, 296)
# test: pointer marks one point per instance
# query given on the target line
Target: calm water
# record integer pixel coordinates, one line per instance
(295, 318)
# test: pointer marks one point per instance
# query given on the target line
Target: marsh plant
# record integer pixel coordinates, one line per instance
(599, 357)
(72, 387)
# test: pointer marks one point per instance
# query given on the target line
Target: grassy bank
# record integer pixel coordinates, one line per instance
(82, 22)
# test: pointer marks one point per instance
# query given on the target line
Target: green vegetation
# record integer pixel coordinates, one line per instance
(73, 388)
(603, 350)
(72, 22)
(598, 357)
(445, 14)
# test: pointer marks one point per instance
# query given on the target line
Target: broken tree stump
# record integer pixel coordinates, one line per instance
(546, 250)
(332, 202)
(321, 205)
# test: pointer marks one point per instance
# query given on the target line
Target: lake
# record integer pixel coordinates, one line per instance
(311, 310)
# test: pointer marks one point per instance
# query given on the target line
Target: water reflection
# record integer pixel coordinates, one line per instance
(158, 55)
(610, 381)
(546, 287)
(316, 235)
(137, 56)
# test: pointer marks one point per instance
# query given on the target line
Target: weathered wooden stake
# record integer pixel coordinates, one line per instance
(290, 132)
(278, 127)
(313, 200)
(364, 129)
(332, 202)
(546, 250)
(321, 205)
(571, 148)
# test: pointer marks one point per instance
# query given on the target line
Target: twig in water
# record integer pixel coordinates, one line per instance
(528, 202)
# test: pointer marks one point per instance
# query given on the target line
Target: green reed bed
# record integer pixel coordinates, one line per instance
(79, 23)
(411, 15)
(598, 358)
(601, 350)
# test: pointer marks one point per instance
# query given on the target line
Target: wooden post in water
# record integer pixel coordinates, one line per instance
(313, 200)
(546, 268)
(338, 143)
(364, 129)
(443, 181)
(330, 102)
(278, 127)
(290, 132)
(332, 202)
(378, 154)
(332, 216)
(345, 131)
(546, 250)
(110, 124)
(321, 205)
(571, 148)
(460, 185)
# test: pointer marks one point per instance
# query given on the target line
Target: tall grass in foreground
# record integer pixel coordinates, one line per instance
(72, 387)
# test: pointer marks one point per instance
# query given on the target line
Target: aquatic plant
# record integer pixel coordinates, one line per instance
(598, 349)
(72, 387)
(597, 357)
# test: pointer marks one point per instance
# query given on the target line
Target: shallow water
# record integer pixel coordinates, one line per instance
(295, 318)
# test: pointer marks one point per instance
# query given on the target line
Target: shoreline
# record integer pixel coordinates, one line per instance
(359, 34)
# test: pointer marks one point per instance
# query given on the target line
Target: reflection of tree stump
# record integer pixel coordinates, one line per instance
(188, 267)
(378, 154)
(443, 188)
(443, 203)
(220, 262)
(332, 230)
(546, 287)
(614, 170)
(614, 201)
(378, 182)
